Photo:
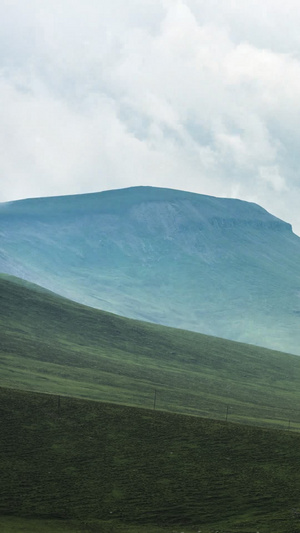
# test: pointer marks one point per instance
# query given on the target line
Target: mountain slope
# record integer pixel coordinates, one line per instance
(51, 344)
(219, 266)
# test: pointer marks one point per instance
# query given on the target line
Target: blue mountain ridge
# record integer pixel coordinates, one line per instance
(219, 266)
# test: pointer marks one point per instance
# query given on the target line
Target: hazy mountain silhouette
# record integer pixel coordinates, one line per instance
(219, 266)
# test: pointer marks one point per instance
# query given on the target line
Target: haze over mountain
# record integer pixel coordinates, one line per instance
(219, 266)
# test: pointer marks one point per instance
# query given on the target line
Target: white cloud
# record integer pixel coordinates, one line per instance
(272, 177)
(202, 96)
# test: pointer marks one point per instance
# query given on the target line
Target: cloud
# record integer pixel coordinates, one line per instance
(202, 96)
(272, 177)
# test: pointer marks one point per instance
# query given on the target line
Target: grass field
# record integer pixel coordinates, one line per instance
(71, 465)
(96, 467)
(50, 344)
(13, 524)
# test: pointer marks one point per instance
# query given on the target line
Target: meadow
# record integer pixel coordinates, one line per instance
(77, 465)
(54, 345)
(114, 425)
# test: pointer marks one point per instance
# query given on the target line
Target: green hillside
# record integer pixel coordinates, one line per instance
(53, 345)
(93, 467)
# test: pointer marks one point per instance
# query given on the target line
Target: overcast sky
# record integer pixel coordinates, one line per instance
(194, 95)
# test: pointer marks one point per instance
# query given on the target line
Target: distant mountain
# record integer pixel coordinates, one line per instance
(219, 266)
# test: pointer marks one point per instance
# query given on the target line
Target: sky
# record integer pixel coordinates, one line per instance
(196, 95)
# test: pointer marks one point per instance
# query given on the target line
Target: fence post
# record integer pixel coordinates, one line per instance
(227, 409)
(154, 402)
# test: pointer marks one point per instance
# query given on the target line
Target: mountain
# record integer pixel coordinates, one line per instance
(54, 345)
(219, 266)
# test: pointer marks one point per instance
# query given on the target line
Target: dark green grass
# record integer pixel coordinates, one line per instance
(99, 467)
(13, 524)
(51, 344)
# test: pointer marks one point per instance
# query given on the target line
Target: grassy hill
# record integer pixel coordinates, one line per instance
(51, 344)
(92, 467)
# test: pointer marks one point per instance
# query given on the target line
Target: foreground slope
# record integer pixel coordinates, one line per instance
(106, 465)
(218, 266)
(51, 344)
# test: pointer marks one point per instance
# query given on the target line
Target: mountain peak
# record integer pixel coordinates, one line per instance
(120, 201)
(220, 266)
